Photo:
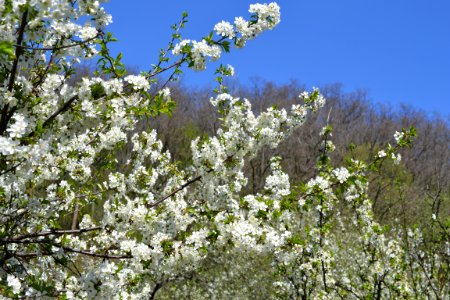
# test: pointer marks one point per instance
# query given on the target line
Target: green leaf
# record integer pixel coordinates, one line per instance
(8, 7)
(97, 91)
(7, 48)
(39, 127)
(226, 46)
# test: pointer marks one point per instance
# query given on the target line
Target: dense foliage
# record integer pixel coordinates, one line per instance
(93, 205)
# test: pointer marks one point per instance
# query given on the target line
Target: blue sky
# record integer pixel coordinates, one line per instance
(397, 50)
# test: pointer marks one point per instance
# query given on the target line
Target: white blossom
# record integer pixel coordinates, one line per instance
(87, 33)
(225, 29)
(165, 92)
(381, 154)
(8, 146)
(19, 127)
(397, 158)
(14, 283)
(320, 182)
(342, 174)
(398, 136)
(138, 81)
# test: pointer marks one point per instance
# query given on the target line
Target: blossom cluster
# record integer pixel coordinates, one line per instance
(264, 17)
(199, 52)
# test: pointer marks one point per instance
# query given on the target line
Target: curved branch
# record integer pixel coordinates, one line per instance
(68, 249)
(75, 43)
(52, 232)
(176, 64)
(5, 116)
(182, 187)
(62, 109)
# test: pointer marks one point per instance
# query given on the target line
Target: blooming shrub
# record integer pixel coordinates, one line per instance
(159, 230)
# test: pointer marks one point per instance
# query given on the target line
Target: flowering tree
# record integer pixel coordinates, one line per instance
(161, 230)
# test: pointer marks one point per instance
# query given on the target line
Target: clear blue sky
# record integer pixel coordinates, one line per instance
(398, 50)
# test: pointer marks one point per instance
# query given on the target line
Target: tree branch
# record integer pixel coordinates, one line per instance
(76, 43)
(176, 191)
(5, 116)
(62, 109)
(176, 64)
(182, 187)
(18, 239)
(68, 249)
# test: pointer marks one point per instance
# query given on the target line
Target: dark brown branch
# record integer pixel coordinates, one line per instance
(108, 256)
(68, 249)
(47, 233)
(79, 43)
(156, 289)
(47, 68)
(62, 109)
(182, 187)
(23, 24)
(5, 116)
(176, 191)
(12, 168)
(176, 64)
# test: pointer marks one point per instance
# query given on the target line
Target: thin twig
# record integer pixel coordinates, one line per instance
(47, 233)
(76, 43)
(63, 108)
(176, 191)
(176, 64)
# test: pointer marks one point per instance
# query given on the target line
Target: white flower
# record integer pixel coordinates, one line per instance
(230, 70)
(87, 33)
(301, 201)
(14, 283)
(243, 27)
(342, 174)
(397, 158)
(319, 181)
(165, 92)
(278, 183)
(9, 98)
(178, 49)
(329, 146)
(325, 129)
(225, 29)
(201, 50)
(398, 136)
(19, 127)
(138, 81)
(113, 85)
(112, 137)
(381, 154)
(7, 146)
(86, 222)
(88, 107)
